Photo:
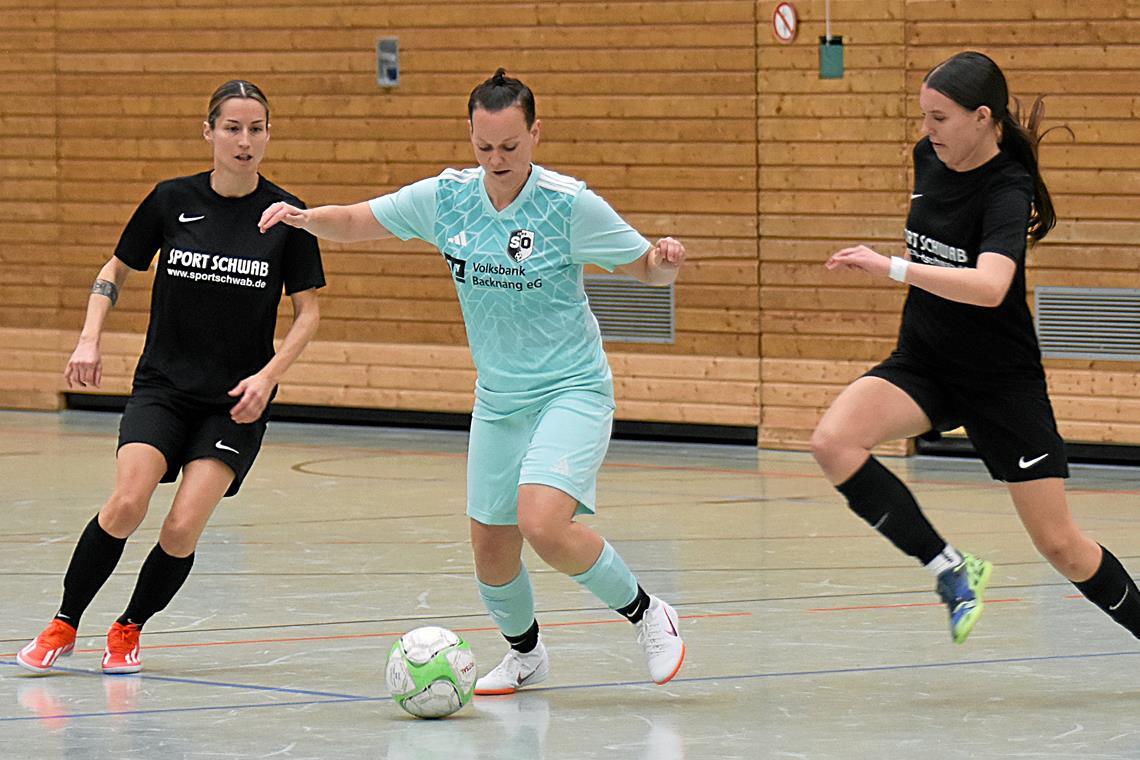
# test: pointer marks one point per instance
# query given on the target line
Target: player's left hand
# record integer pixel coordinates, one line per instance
(860, 258)
(283, 212)
(253, 394)
(667, 254)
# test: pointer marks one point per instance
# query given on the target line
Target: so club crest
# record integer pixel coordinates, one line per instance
(520, 245)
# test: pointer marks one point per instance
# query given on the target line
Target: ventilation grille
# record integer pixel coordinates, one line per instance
(1089, 323)
(630, 311)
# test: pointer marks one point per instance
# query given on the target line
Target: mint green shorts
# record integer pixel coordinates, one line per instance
(560, 442)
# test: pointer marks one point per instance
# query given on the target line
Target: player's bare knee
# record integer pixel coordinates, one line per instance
(179, 538)
(827, 444)
(123, 512)
(544, 537)
(533, 531)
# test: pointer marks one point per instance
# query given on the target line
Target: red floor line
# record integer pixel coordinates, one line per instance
(896, 606)
(389, 634)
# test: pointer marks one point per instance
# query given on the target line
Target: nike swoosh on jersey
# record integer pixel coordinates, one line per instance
(184, 218)
(915, 195)
(1026, 465)
(224, 447)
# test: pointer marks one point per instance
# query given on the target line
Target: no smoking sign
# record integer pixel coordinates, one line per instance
(784, 22)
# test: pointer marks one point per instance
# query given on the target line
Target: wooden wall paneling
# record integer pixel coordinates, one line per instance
(133, 82)
(732, 143)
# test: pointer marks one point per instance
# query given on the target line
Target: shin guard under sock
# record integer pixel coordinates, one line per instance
(159, 580)
(94, 559)
(1114, 591)
(879, 497)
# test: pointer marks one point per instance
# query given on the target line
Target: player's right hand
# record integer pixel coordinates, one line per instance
(85, 367)
(860, 258)
(283, 212)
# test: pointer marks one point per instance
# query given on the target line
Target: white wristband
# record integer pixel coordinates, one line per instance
(898, 268)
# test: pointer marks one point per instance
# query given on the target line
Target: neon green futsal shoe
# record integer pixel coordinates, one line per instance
(963, 588)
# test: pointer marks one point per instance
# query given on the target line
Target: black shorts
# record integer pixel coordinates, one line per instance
(185, 429)
(1011, 424)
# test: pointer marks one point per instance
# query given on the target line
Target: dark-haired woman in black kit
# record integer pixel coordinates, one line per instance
(206, 375)
(967, 352)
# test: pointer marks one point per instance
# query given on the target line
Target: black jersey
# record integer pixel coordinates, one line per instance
(955, 217)
(217, 284)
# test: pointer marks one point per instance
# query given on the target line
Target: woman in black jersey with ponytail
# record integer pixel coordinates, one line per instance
(967, 352)
(206, 375)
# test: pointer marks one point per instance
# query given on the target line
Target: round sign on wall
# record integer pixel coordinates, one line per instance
(784, 22)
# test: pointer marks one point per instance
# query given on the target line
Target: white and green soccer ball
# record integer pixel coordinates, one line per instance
(431, 672)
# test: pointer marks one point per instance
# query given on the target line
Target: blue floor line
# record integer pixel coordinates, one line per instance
(334, 698)
(195, 681)
(849, 671)
(201, 708)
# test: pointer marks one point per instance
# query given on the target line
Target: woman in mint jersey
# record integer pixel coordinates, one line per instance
(516, 237)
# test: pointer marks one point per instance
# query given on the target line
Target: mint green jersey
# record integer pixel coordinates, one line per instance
(518, 273)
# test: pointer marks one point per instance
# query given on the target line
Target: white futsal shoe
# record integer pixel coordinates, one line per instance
(660, 639)
(516, 671)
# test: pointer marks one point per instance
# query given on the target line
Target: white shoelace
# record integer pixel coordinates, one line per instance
(514, 665)
(650, 636)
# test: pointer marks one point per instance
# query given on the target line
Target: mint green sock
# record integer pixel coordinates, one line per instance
(610, 579)
(511, 606)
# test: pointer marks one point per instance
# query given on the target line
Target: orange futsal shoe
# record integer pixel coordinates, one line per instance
(57, 640)
(122, 652)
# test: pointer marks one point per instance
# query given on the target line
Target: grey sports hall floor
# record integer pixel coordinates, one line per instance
(808, 636)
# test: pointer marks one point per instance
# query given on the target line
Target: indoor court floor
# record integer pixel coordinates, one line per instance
(808, 636)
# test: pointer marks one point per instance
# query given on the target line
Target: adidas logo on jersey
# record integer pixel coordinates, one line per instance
(460, 239)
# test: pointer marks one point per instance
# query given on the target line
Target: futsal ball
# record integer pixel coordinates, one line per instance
(431, 672)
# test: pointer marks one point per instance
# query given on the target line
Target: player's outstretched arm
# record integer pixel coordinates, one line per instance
(253, 392)
(659, 265)
(85, 367)
(343, 224)
(985, 285)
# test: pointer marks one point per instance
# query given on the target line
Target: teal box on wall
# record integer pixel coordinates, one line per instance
(831, 57)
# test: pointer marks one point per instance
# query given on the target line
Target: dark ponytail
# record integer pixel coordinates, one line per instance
(973, 80)
(1021, 139)
(501, 92)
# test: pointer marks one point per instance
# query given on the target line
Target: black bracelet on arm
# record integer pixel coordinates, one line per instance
(106, 288)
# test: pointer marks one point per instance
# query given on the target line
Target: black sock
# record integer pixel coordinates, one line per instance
(159, 580)
(1114, 591)
(880, 498)
(635, 609)
(525, 642)
(94, 559)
